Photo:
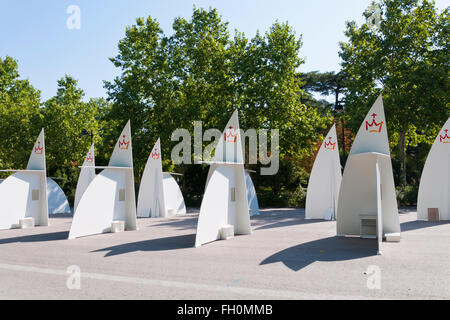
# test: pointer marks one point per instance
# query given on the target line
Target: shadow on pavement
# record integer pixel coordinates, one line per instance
(63, 235)
(283, 222)
(328, 249)
(60, 215)
(420, 224)
(162, 244)
(280, 218)
(184, 224)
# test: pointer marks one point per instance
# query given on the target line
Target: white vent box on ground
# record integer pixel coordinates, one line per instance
(26, 222)
(117, 226)
(227, 232)
(368, 226)
(393, 237)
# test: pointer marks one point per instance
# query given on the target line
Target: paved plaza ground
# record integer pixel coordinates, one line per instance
(286, 257)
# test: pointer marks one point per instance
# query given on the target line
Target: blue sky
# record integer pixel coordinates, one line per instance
(35, 32)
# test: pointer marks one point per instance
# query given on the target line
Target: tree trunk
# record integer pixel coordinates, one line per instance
(402, 150)
(341, 108)
(183, 178)
(343, 141)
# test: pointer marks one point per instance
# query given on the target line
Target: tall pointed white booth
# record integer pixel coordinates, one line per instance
(159, 193)
(108, 203)
(433, 200)
(23, 195)
(252, 197)
(224, 210)
(367, 205)
(324, 181)
(57, 200)
(87, 175)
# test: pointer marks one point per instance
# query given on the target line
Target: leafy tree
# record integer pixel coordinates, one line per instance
(20, 115)
(330, 84)
(405, 57)
(65, 116)
(201, 73)
(272, 91)
(107, 129)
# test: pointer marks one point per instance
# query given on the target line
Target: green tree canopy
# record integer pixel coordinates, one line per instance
(202, 73)
(65, 116)
(20, 116)
(404, 56)
(329, 84)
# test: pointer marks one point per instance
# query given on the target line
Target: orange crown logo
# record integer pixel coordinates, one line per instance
(89, 158)
(230, 135)
(155, 154)
(330, 145)
(124, 144)
(38, 149)
(377, 126)
(445, 138)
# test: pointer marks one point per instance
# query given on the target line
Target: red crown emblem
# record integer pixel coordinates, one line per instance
(230, 135)
(377, 126)
(155, 154)
(38, 149)
(445, 138)
(329, 145)
(124, 144)
(89, 158)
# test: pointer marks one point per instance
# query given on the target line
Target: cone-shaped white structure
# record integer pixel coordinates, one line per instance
(434, 189)
(24, 193)
(151, 192)
(57, 201)
(173, 198)
(159, 194)
(367, 190)
(110, 196)
(225, 199)
(87, 174)
(252, 197)
(325, 180)
(37, 157)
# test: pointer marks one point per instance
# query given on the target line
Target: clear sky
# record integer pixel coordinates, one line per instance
(35, 32)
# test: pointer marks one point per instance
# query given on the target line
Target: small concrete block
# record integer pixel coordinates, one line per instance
(227, 232)
(170, 212)
(393, 237)
(26, 222)
(117, 226)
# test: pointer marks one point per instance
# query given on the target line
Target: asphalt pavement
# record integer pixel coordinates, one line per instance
(286, 257)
